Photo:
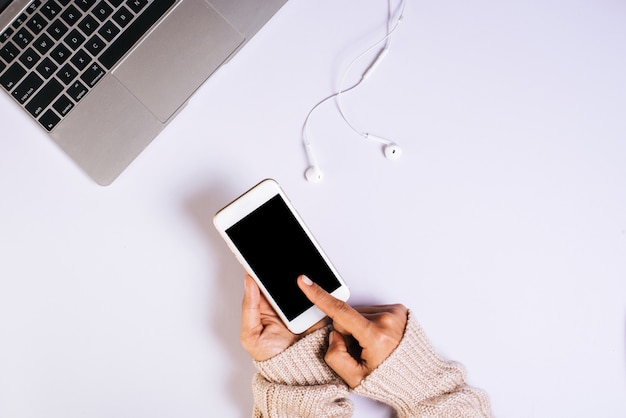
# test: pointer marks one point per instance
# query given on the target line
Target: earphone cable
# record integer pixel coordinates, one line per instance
(367, 72)
(321, 102)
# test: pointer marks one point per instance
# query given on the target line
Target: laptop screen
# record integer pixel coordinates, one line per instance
(4, 4)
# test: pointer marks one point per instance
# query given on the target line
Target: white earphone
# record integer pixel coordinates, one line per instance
(313, 174)
(391, 150)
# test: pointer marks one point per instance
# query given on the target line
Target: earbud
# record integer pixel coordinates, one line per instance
(392, 150)
(313, 174)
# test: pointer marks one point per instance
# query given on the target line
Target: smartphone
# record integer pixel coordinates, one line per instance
(274, 245)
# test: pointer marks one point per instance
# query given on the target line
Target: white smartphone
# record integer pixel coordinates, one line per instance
(274, 245)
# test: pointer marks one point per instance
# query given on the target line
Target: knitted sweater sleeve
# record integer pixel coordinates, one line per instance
(297, 383)
(417, 382)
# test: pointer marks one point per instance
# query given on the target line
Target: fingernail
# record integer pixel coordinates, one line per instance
(306, 280)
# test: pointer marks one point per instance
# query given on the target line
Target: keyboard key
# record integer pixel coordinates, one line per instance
(44, 97)
(92, 75)
(43, 44)
(6, 35)
(23, 38)
(77, 91)
(9, 52)
(51, 9)
(47, 68)
(71, 15)
(116, 3)
(81, 59)
(102, 11)
(37, 23)
(123, 16)
(57, 29)
(74, 39)
(60, 54)
(108, 31)
(29, 58)
(20, 20)
(2, 66)
(95, 45)
(27, 88)
(63, 105)
(49, 120)
(134, 32)
(12, 76)
(67, 74)
(88, 25)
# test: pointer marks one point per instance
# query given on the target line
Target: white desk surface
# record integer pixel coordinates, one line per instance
(503, 226)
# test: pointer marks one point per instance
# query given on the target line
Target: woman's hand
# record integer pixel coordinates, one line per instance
(263, 334)
(362, 338)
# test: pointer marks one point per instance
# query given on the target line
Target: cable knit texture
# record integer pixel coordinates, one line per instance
(417, 382)
(414, 380)
(298, 383)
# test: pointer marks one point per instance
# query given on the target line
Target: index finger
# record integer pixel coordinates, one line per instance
(339, 311)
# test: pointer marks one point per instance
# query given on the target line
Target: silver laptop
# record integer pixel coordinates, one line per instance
(104, 77)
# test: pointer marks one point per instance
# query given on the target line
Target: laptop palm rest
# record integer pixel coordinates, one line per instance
(181, 53)
(105, 134)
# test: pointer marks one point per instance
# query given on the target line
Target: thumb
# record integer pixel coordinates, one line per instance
(341, 361)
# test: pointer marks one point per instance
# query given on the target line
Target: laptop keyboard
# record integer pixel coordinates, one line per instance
(57, 50)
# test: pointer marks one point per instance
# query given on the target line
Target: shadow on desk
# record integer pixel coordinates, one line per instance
(225, 301)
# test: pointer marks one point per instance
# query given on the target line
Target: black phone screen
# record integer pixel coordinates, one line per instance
(278, 250)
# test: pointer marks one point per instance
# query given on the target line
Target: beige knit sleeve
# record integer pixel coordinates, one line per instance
(417, 382)
(299, 383)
